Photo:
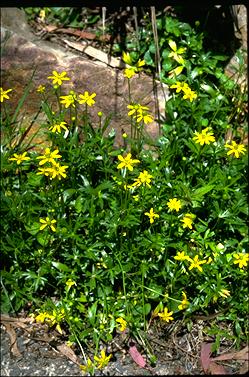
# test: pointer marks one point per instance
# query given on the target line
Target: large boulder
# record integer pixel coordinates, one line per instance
(23, 52)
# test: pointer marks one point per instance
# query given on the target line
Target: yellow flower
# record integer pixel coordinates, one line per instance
(47, 223)
(241, 259)
(19, 158)
(204, 137)
(144, 116)
(184, 302)
(143, 177)
(176, 52)
(49, 156)
(151, 215)
(41, 89)
(181, 256)
(70, 283)
(86, 98)
(180, 86)
(103, 360)
(135, 108)
(136, 198)
(43, 316)
(126, 162)
(123, 323)
(4, 95)
(127, 58)
(235, 149)
(58, 170)
(42, 15)
(176, 71)
(58, 77)
(89, 365)
(124, 135)
(166, 315)
(44, 171)
(188, 220)
(196, 263)
(129, 72)
(57, 127)
(69, 99)
(189, 94)
(224, 293)
(174, 204)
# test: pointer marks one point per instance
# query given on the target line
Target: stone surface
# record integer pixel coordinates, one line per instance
(23, 51)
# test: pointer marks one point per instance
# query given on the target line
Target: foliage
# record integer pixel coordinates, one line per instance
(96, 235)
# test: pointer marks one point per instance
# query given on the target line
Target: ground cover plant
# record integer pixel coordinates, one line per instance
(100, 239)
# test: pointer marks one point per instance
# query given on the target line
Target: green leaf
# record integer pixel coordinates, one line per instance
(61, 267)
(33, 228)
(200, 192)
(42, 239)
(34, 179)
(91, 313)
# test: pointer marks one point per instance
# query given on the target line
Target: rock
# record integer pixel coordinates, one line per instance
(22, 52)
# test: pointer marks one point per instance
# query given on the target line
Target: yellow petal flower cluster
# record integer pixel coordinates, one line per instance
(127, 162)
(151, 215)
(204, 137)
(188, 93)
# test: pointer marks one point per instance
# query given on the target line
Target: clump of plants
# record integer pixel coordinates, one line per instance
(104, 239)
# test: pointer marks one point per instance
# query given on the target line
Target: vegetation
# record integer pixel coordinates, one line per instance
(104, 239)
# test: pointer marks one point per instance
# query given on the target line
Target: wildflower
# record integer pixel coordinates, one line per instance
(241, 258)
(196, 263)
(184, 302)
(144, 116)
(224, 293)
(58, 77)
(129, 72)
(176, 71)
(19, 158)
(180, 86)
(123, 323)
(86, 98)
(69, 99)
(89, 365)
(204, 137)
(49, 156)
(151, 215)
(124, 135)
(70, 283)
(175, 54)
(127, 58)
(103, 360)
(42, 15)
(58, 170)
(181, 256)
(166, 315)
(44, 171)
(41, 89)
(235, 148)
(100, 114)
(188, 220)
(126, 162)
(134, 66)
(43, 316)
(143, 177)
(135, 108)
(4, 95)
(174, 204)
(136, 198)
(47, 223)
(189, 94)
(57, 127)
